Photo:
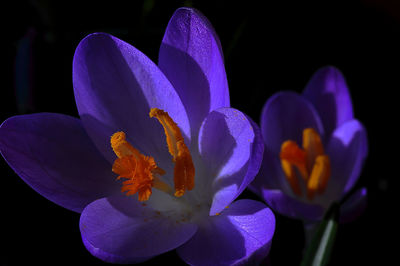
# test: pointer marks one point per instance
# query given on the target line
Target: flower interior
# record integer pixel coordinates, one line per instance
(309, 164)
(142, 173)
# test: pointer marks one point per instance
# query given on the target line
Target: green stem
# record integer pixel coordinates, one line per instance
(320, 246)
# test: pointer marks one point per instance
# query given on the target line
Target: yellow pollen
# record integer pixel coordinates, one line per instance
(310, 162)
(142, 173)
(184, 169)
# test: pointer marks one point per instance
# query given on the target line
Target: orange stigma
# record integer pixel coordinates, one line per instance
(310, 162)
(142, 173)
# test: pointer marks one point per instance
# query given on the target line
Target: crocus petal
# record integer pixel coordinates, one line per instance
(111, 258)
(241, 234)
(231, 148)
(270, 176)
(354, 206)
(291, 207)
(191, 57)
(327, 91)
(115, 86)
(120, 229)
(271, 185)
(53, 154)
(347, 149)
(284, 117)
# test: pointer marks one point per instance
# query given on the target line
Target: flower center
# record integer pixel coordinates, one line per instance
(311, 163)
(142, 171)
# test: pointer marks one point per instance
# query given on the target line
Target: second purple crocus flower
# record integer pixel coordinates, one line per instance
(314, 150)
(207, 150)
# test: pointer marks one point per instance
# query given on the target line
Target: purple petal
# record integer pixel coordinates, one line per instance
(270, 175)
(291, 207)
(53, 154)
(284, 117)
(191, 57)
(354, 206)
(241, 234)
(271, 185)
(327, 91)
(119, 229)
(115, 86)
(111, 258)
(347, 149)
(231, 148)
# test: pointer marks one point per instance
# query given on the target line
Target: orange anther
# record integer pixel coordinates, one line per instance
(291, 177)
(141, 171)
(310, 159)
(294, 155)
(320, 175)
(184, 170)
(312, 145)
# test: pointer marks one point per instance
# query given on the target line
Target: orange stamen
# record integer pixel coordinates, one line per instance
(184, 169)
(141, 171)
(291, 153)
(121, 147)
(291, 176)
(312, 145)
(310, 159)
(319, 176)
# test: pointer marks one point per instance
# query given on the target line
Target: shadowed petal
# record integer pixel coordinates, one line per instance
(327, 91)
(111, 258)
(272, 186)
(241, 234)
(231, 148)
(119, 229)
(53, 154)
(115, 87)
(354, 206)
(293, 208)
(270, 176)
(284, 117)
(191, 57)
(347, 149)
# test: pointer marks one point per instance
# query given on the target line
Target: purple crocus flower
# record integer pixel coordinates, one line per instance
(182, 169)
(314, 150)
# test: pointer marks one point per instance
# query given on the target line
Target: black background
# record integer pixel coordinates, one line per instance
(268, 47)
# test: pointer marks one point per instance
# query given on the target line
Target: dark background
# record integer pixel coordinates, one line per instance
(267, 48)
